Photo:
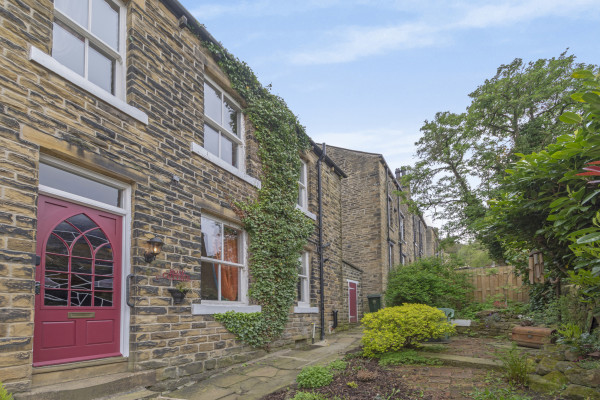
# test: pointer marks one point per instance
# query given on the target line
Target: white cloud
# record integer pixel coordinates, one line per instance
(433, 26)
(511, 12)
(357, 42)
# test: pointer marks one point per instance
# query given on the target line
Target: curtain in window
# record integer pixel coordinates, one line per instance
(230, 275)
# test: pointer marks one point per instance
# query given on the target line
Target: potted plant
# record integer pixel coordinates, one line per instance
(178, 292)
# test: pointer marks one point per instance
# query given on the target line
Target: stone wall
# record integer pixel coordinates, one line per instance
(362, 216)
(553, 372)
(369, 202)
(43, 113)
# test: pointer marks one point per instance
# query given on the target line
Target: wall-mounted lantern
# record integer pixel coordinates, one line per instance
(155, 245)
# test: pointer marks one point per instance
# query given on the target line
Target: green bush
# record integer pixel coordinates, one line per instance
(587, 343)
(4, 395)
(568, 333)
(314, 377)
(393, 328)
(337, 365)
(514, 365)
(308, 396)
(248, 327)
(574, 311)
(428, 281)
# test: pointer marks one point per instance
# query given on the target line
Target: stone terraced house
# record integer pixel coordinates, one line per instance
(118, 130)
(389, 234)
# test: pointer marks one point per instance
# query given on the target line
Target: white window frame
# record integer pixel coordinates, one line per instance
(401, 226)
(123, 210)
(217, 306)
(304, 207)
(303, 307)
(391, 255)
(117, 100)
(303, 187)
(305, 280)
(238, 140)
(90, 39)
(390, 211)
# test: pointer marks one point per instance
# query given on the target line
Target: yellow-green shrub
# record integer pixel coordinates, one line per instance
(393, 328)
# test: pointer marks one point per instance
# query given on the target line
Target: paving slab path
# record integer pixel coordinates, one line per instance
(270, 373)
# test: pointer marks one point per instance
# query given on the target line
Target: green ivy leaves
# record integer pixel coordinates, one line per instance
(277, 230)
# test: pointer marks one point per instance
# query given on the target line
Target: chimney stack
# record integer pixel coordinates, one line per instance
(399, 173)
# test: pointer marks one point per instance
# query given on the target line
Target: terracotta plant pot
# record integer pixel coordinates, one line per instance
(177, 295)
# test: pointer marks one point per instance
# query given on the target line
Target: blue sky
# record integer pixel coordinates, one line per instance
(365, 74)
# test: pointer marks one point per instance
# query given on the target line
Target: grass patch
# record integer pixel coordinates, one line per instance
(434, 348)
(406, 357)
(497, 394)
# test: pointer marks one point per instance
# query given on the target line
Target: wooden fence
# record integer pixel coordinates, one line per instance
(500, 282)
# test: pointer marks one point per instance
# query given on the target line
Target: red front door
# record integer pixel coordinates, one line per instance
(352, 302)
(77, 310)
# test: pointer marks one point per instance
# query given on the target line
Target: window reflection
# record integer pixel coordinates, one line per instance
(67, 181)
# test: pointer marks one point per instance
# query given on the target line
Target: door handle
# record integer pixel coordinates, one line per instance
(127, 290)
(38, 287)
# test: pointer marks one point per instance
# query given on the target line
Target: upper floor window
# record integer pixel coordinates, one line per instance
(302, 187)
(390, 211)
(415, 228)
(401, 225)
(89, 39)
(303, 280)
(222, 273)
(391, 255)
(222, 125)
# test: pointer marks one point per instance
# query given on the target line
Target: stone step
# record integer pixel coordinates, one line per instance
(462, 361)
(91, 388)
(53, 374)
(136, 394)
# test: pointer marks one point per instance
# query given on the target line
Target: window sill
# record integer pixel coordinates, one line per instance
(207, 309)
(39, 57)
(307, 213)
(306, 310)
(196, 148)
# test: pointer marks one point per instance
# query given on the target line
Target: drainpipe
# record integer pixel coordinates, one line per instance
(398, 177)
(321, 257)
(387, 213)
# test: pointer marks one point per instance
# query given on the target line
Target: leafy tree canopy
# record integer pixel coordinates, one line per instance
(547, 203)
(463, 157)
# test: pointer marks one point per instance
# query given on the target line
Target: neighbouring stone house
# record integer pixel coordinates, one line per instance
(116, 127)
(378, 231)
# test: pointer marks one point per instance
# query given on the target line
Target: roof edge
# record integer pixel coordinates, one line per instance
(179, 10)
(319, 151)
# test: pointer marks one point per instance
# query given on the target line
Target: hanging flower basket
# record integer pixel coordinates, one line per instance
(178, 295)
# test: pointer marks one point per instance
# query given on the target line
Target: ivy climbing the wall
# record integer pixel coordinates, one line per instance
(277, 230)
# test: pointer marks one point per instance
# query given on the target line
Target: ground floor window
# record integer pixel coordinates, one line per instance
(303, 280)
(222, 272)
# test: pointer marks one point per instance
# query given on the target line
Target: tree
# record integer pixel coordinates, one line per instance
(546, 202)
(463, 157)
